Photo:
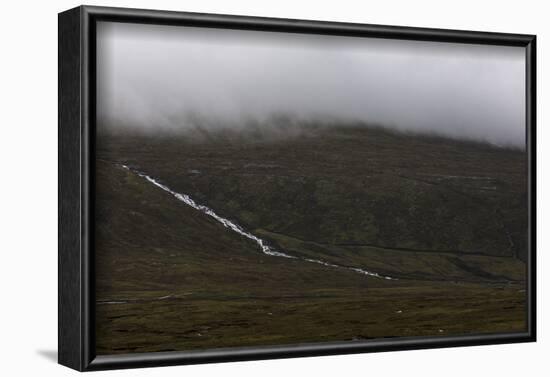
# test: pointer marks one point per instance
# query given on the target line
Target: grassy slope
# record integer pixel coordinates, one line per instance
(345, 197)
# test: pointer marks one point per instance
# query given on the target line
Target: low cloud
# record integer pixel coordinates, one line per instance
(157, 78)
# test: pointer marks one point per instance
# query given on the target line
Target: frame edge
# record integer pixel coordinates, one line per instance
(70, 321)
(531, 130)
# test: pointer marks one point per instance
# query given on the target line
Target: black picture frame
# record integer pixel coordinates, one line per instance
(76, 117)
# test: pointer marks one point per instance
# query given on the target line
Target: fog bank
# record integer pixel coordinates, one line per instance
(154, 77)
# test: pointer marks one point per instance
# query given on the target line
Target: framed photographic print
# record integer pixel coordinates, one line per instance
(238, 188)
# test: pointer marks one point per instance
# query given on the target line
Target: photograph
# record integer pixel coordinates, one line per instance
(263, 188)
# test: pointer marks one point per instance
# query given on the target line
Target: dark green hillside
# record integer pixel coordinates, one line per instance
(352, 186)
(445, 217)
(146, 239)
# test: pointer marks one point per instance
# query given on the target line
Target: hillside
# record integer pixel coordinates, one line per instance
(445, 218)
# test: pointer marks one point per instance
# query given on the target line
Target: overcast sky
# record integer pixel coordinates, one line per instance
(152, 77)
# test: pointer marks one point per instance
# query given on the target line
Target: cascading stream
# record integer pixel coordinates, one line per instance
(266, 249)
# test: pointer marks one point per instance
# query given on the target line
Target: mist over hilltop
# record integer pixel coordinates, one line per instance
(155, 78)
